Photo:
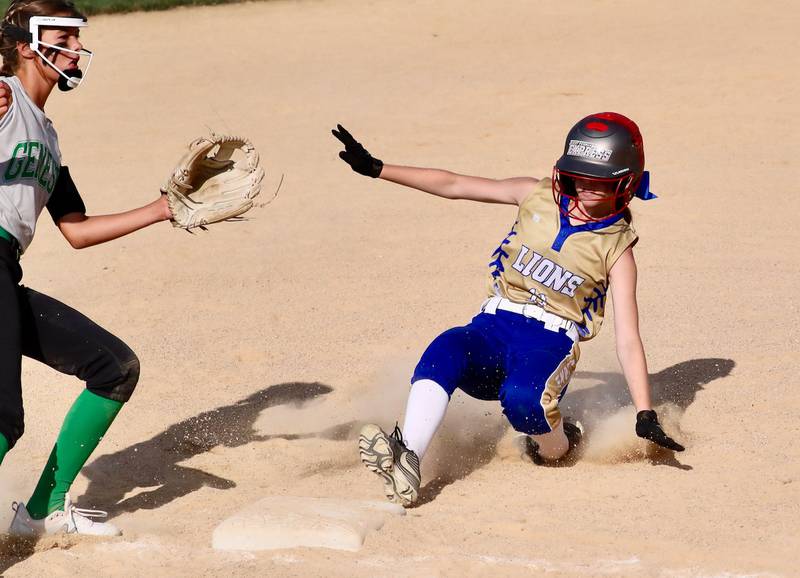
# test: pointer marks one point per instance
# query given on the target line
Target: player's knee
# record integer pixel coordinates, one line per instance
(444, 360)
(119, 378)
(524, 412)
(443, 377)
(524, 421)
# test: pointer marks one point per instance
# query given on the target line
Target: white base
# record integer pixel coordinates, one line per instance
(292, 522)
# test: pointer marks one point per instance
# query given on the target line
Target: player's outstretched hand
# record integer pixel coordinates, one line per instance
(355, 155)
(647, 427)
(6, 98)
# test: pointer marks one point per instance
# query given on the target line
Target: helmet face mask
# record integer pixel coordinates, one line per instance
(600, 169)
(575, 193)
(68, 79)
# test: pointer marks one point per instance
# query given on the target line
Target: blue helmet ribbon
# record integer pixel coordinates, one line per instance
(643, 190)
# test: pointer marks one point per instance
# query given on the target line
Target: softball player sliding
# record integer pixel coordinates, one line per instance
(571, 243)
(40, 47)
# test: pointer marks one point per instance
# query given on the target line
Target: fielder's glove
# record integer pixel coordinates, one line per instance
(209, 185)
(355, 155)
(647, 427)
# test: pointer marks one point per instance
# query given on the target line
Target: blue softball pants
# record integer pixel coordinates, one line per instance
(507, 357)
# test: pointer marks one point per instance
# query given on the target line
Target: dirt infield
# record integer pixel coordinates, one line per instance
(263, 342)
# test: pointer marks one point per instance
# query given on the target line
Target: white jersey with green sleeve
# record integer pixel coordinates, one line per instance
(30, 161)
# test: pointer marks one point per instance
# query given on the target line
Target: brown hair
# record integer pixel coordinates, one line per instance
(18, 16)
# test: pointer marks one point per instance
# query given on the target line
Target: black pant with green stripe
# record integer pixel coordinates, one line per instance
(39, 327)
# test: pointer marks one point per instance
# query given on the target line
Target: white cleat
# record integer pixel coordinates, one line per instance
(70, 520)
(388, 457)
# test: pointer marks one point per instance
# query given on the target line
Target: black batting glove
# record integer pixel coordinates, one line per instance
(355, 155)
(647, 427)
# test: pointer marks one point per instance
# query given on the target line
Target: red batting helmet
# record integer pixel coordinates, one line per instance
(606, 148)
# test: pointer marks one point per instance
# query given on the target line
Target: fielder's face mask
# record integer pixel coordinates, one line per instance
(69, 79)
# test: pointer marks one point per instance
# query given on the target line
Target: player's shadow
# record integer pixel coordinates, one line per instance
(677, 384)
(153, 467)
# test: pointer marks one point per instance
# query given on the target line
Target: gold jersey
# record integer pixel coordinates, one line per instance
(560, 267)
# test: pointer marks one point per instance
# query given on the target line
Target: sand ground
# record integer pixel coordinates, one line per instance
(263, 342)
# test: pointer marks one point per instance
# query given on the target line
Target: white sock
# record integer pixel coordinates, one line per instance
(553, 445)
(427, 404)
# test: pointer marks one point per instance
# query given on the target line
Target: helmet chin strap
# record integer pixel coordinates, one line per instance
(643, 190)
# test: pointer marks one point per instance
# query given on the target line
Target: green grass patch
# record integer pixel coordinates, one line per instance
(114, 6)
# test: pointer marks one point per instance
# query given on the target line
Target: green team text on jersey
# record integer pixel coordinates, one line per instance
(32, 160)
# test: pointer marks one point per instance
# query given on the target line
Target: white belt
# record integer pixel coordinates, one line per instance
(552, 322)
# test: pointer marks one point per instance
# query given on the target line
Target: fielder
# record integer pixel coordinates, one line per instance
(41, 48)
(571, 244)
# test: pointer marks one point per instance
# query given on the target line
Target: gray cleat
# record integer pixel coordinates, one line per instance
(388, 457)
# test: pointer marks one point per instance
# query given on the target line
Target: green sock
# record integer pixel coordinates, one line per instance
(3, 447)
(84, 426)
